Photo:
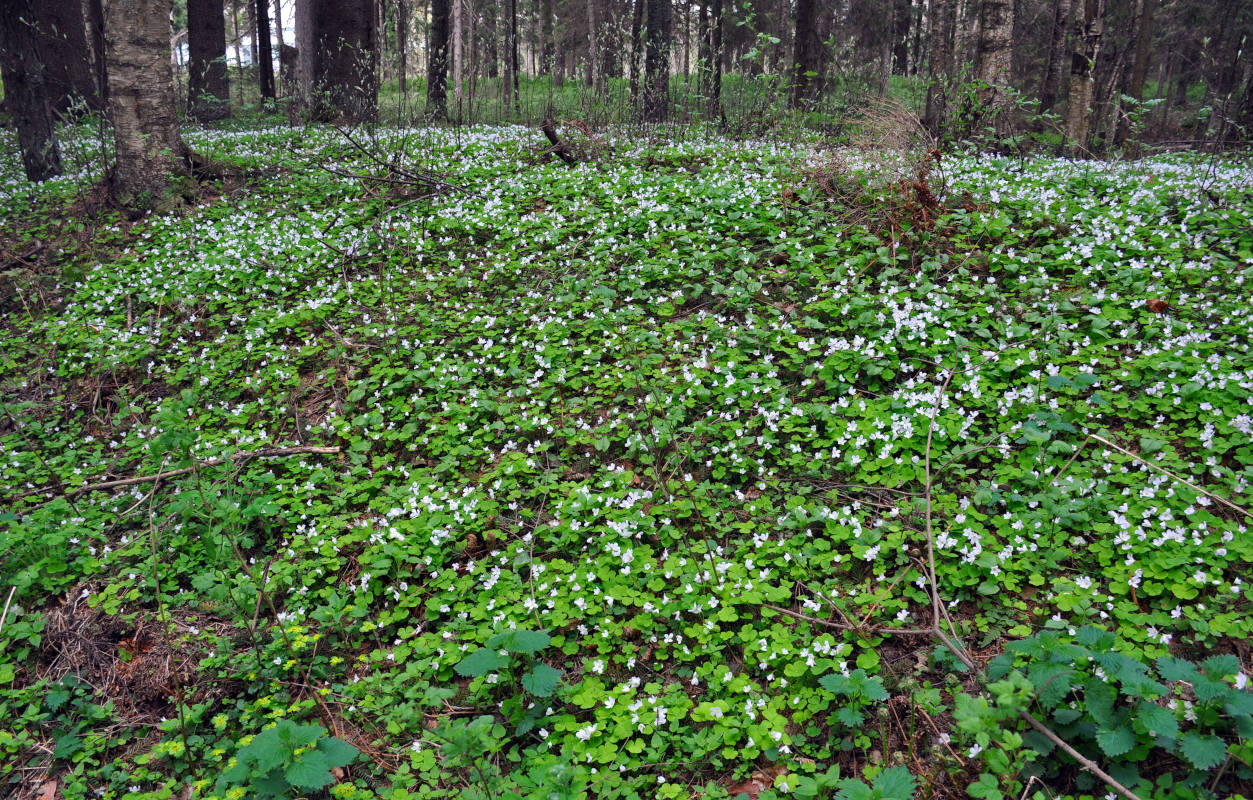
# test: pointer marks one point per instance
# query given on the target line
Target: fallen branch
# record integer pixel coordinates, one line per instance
(558, 147)
(269, 452)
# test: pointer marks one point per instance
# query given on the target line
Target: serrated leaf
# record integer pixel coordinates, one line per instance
(1116, 741)
(1099, 698)
(1176, 669)
(542, 680)
(520, 641)
(311, 771)
(895, 783)
(1207, 688)
(480, 662)
(338, 752)
(1203, 752)
(1160, 721)
(834, 683)
(853, 789)
(1221, 666)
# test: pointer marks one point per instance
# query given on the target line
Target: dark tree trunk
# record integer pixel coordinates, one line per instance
(714, 92)
(994, 52)
(546, 37)
(807, 59)
(940, 66)
(902, 13)
(1089, 27)
(344, 59)
(66, 54)
(402, 37)
(657, 61)
(511, 55)
(437, 61)
(151, 155)
(491, 38)
(26, 91)
(209, 90)
(916, 11)
(637, 24)
(265, 53)
(1142, 29)
(1055, 65)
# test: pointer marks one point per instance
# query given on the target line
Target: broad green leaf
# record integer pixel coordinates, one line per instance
(480, 662)
(895, 783)
(542, 680)
(1117, 741)
(312, 770)
(1203, 752)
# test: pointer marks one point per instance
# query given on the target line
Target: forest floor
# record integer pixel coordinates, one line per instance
(421, 464)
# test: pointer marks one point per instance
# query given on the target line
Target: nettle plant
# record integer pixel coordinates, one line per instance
(514, 653)
(1172, 728)
(283, 759)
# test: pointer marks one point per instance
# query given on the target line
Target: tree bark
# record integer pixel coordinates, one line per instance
(657, 61)
(209, 89)
(546, 37)
(940, 64)
(637, 24)
(902, 12)
(151, 156)
(458, 48)
(590, 75)
(402, 40)
(807, 55)
(343, 60)
(437, 61)
(66, 53)
(1089, 26)
(1055, 65)
(265, 53)
(26, 90)
(714, 92)
(994, 52)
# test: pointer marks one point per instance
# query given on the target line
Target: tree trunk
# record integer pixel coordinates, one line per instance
(511, 55)
(714, 92)
(1055, 65)
(1141, 28)
(589, 70)
(278, 23)
(807, 55)
(902, 12)
(637, 23)
(993, 54)
(26, 90)
(66, 53)
(940, 64)
(546, 37)
(265, 55)
(237, 44)
(657, 61)
(1089, 26)
(343, 60)
(458, 51)
(402, 41)
(151, 155)
(209, 89)
(437, 62)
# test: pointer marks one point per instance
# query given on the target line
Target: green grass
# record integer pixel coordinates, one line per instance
(595, 427)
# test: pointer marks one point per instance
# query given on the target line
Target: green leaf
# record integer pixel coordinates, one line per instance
(1150, 445)
(985, 787)
(895, 783)
(338, 752)
(542, 680)
(1203, 752)
(1176, 669)
(1117, 741)
(1221, 666)
(311, 771)
(480, 662)
(520, 641)
(1160, 721)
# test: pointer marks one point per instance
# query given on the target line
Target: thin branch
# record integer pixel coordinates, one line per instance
(269, 452)
(1165, 471)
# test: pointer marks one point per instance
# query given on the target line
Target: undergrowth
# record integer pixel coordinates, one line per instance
(616, 480)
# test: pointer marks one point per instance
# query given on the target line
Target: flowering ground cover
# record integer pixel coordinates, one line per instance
(638, 478)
